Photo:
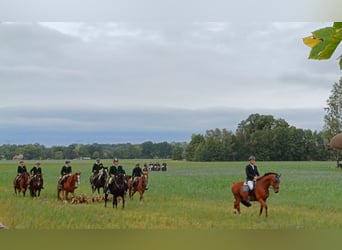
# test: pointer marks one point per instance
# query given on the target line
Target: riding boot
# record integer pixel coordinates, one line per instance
(106, 188)
(250, 195)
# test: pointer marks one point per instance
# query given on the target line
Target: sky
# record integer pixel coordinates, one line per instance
(131, 82)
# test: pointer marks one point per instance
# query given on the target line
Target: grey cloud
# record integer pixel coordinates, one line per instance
(86, 75)
(169, 119)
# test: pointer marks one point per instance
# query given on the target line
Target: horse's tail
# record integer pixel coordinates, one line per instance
(246, 203)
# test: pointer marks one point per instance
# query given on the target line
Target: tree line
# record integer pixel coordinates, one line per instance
(267, 138)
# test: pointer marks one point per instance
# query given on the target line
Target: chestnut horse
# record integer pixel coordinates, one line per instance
(20, 183)
(36, 185)
(69, 185)
(117, 188)
(260, 192)
(139, 187)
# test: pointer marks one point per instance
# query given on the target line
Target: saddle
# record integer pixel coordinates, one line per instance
(245, 188)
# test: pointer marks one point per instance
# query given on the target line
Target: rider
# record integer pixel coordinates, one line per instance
(20, 170)
(136, 173)
(252, 173)
(65, 172)
(36, 169)
(121, 170)
(96, 168)
(113, 171)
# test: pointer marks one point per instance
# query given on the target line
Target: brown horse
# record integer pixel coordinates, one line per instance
(20, 183)
(260, 192)
(68, 186)
(139, 187)
(36, 185)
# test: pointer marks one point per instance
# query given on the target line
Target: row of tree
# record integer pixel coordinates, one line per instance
(146, 150)
(262, 135)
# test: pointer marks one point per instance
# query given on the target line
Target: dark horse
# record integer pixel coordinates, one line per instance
(98, 181)
(68, 186)
(117, 188)
(139, 186)
(36, 185)
(20, 183)
(260, 192)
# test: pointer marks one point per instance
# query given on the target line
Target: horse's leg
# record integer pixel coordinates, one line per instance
(123, 201)
(59, 193)
(237, 205)
(141, 196)
(132, 194)
(115, 201)
(106, 199)
(262, 205)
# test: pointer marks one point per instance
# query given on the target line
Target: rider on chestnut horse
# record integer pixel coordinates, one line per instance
(252, 174)
(65, 172)
(20, 170)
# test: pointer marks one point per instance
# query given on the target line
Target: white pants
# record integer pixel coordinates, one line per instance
(250, 185)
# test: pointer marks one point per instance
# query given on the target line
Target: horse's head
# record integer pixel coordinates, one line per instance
(275, 182)
(144, 179)
(25, 176)
(77, 177)
(120, 178)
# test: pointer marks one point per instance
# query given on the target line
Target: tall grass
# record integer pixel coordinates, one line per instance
(189, 195)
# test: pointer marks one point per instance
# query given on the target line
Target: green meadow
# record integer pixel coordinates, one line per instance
(190, 195)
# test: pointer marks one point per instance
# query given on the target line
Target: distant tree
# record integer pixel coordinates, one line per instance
(191, 151)
(147, 149)
(96, 154)
(177, 152)
(253, 132)
(227, 143)
(333, 116)
(58, 155)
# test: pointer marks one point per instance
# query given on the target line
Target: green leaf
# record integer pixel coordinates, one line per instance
(329, 43)
(337, 25)
(338, 35)
(340, 63)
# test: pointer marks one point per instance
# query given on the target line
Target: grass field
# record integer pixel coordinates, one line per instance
(190, 195)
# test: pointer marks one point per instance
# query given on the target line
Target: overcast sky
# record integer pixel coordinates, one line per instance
(103, 82)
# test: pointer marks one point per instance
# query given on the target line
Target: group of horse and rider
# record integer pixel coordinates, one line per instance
(99, 172)
(255, 188)
(31, 180)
